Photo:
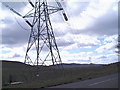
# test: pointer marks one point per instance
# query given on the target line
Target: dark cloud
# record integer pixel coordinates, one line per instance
(85, 45)
(14, 35)
(59, 33)
(8, 20)
(63, 42)
(105, 25)
(18, 6)
(76, 8)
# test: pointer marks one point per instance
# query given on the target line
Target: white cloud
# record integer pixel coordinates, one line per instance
(71, 41)
(93, 10)
(80, 22)
(113, 39)
(75, 57)
(109, 44)
(1, 11)
(3, 16)
(86, 40)
(13, 53)
(105, 48)
(82, 41)
(105, 59)
(26, 9)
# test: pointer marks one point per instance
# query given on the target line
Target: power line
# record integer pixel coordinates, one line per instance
(26, 5)
(23, 28)
(15, 17)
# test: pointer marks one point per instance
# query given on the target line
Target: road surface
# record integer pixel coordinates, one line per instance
(110, 81)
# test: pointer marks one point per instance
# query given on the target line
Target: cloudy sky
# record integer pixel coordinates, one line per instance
(89, 36)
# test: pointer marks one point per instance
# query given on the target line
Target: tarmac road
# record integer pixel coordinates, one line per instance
(110, 81)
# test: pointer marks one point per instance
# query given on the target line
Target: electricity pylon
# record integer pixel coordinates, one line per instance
(42, 35)
(42, 47)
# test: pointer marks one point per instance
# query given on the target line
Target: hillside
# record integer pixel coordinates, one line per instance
(20, 72)
(13, 64)
(75, 65)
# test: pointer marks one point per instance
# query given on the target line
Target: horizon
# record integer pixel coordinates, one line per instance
(61, 63)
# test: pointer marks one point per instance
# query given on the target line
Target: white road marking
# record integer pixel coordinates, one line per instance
(100, 82)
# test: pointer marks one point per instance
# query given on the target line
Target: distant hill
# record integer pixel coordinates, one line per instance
(15, 64)
(75, 65)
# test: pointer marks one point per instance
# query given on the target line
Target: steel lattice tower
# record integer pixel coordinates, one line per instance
(42, 47)
(42, 38)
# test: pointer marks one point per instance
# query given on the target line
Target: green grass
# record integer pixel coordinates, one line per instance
(49, 77)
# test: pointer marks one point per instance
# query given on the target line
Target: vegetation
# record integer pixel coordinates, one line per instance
(50, 75)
